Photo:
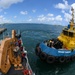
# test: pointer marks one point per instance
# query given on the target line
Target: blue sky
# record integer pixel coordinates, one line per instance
(36, 11)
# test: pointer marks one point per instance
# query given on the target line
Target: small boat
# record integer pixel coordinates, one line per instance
(60, 49)
(13, 56)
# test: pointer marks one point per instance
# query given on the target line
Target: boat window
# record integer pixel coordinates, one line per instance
(65, 32)
(71, 34)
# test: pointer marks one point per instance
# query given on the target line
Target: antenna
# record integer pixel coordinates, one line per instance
(72, 20)
(72, 14)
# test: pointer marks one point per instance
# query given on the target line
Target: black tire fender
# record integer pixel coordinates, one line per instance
(67, 59)
(43, 55)
(62, 59)
(73, 58)
(50, 59)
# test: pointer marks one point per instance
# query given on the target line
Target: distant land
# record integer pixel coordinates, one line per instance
(31, 23)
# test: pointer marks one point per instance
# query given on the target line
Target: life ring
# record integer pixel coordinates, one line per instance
(27, 72)
(67, 59)
(37, 51)
(73, 58)
(62, 59)
(50, 59)
(43, 55)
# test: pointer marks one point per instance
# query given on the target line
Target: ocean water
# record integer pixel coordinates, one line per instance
(36, 33)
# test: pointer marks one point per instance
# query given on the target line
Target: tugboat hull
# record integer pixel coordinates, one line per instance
(51, 55)
(61, 49)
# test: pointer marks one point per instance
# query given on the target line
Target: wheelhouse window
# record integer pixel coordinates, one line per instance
(65, 32)
(71, 34)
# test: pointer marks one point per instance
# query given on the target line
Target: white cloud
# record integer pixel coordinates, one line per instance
(63, 11)
(49, 14)
(24, 12)
(60, 6)
(4, 20)
(64, 5)
(7, 3)
(29, 20)
(67, 17)
(73, 5)
(49, 17)
(58, 18)
(41, 15)
(34, 11)
(41, 18)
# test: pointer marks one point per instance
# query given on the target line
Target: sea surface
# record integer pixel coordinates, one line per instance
(36, 33)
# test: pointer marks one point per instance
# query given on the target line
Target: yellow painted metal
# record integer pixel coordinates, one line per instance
(68, 42)
(67, 39)
(7, 57)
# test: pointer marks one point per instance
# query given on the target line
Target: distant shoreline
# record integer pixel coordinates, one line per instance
(32, 23)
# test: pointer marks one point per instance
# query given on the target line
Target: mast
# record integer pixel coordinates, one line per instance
(72, 14)
(72, 20)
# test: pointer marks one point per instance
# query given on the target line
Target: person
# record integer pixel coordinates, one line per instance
(51, 43)
(68, 26)
(19, 42)
(16, 51)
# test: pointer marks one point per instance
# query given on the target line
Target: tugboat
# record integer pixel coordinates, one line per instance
(60, 49)
(13, 56)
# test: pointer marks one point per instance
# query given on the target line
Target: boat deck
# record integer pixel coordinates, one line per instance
(12, 71)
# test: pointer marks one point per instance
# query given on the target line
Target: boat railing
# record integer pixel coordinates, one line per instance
(27, 64)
